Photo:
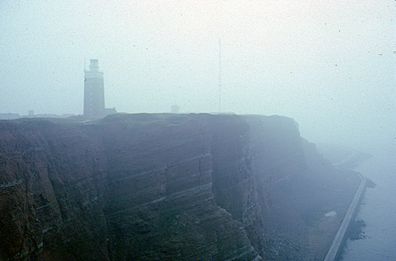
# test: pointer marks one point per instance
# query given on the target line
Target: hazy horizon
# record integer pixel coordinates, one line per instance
(329, 65)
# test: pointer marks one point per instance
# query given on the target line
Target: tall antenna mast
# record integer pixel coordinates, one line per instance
(220, 78)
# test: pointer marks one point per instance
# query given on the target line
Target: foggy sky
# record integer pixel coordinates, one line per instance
(328, 64)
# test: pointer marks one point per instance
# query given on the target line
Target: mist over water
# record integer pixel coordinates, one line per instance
(378, 211)
(330, 65)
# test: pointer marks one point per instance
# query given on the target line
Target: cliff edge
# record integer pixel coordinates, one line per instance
(166, 187)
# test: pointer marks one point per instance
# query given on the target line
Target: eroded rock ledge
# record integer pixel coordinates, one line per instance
(166, 187)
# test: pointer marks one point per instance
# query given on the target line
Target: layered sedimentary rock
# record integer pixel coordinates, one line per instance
(165, 187)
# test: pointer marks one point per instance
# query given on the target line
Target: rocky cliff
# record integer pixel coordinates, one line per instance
(166, 187)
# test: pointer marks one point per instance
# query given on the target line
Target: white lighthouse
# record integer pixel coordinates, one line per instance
(94, 102)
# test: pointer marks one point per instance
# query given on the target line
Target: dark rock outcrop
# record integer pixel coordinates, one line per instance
(165, 187)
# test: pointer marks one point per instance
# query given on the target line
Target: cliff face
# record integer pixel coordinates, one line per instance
(165, 187)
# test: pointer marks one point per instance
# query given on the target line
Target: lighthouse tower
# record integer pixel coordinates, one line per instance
(94, 103)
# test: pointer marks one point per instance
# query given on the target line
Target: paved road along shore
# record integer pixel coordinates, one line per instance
(339, 238)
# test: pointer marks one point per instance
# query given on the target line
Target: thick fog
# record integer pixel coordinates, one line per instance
(328, 64)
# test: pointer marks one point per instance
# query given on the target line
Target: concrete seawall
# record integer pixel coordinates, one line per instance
(341, 233)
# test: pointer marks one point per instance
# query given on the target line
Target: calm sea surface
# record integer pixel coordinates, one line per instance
(378, 211)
